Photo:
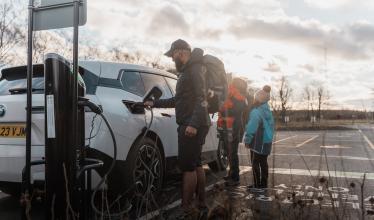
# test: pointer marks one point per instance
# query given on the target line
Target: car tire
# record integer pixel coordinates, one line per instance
(145, 164)
(221, 162)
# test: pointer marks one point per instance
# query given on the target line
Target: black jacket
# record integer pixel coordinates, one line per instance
(190, 98)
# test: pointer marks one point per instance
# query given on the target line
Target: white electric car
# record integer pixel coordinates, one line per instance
(113, 86)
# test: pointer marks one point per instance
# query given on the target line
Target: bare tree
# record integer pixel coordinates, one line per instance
(40, 46)
(120, 56)
(284, 94)
(323, 97)
(274, 104)
(308, 98)
(138, 57)
(10, 33)
(155, 63)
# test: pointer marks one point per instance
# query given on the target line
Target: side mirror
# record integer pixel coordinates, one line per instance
(154, 94)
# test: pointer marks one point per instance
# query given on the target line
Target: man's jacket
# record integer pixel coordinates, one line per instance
(190, 98)
(260, 129)
(230, 116)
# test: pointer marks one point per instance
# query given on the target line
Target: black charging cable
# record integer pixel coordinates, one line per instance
(98, 111)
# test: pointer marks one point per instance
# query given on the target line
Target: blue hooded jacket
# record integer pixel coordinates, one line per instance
(260, 129)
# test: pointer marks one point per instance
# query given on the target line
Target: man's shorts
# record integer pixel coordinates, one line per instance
(189, 148)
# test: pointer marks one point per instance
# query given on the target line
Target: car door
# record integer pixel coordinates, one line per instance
(164, 118)
(211, 141)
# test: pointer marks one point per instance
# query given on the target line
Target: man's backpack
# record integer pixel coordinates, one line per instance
(216, 83)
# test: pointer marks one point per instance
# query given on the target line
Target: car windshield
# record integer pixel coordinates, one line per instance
(17, 84)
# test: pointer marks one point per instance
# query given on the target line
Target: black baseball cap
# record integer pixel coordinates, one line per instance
(178, 45)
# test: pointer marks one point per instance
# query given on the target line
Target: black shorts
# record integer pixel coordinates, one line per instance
(189, 148)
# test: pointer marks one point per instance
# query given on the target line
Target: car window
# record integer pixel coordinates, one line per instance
(172, 84)
(151, 80)
(15, 82)
(90, 80)
(132, 82)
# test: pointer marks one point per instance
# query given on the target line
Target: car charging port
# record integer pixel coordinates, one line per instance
(134, 107)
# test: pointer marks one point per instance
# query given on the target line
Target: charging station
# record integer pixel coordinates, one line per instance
(67, 169)
(62, 149)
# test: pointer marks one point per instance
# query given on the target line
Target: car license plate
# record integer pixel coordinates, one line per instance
(12, 131)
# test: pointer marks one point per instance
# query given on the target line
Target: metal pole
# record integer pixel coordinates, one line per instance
(27, 187)
(76, 198)
(29, 95)
(75, 64)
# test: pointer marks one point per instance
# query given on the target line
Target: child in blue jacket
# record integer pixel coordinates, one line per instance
(259, 137)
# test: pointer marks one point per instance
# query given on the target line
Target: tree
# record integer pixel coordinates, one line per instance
(10, 33)
(274, 104)
(323, 96)
(155, 63)
(284, 94)
(309, 98)
(120, 56)
(40, 46)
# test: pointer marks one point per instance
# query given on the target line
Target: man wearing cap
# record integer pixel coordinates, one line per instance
(192, 118)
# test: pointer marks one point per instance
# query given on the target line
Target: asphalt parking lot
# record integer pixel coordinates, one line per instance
(325, 167)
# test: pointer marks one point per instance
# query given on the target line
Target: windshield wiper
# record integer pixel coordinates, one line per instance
(22, 90)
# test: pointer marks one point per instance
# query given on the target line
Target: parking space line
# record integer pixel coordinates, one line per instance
(367, 139)
(337, 157)
(304, 172)
(337, 174)
(307, 141)
(284, 139)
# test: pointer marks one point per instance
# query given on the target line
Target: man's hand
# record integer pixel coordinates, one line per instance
(190, 131)
(149, 104)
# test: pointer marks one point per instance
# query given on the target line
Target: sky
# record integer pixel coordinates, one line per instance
(311, 42)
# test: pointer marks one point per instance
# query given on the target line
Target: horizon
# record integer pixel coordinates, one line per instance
(310, 42)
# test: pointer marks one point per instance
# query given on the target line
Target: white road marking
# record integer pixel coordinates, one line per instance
(337, 174)
(241, 145)
(334, 147)
(316, 155)
(367, 139)
(303, 172)
(307, 141)
(284, 139)
(150, 215)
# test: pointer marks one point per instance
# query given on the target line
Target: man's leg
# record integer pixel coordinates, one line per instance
(188, 189)
(201, 186)
(187, 165)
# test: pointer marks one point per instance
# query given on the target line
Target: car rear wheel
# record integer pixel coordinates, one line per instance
(222, 161)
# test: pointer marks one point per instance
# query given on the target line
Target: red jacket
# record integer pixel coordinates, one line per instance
(230, 114)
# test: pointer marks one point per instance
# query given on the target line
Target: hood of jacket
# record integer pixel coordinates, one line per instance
(197, 56)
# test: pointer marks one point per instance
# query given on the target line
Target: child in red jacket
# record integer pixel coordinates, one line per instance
(230, 126)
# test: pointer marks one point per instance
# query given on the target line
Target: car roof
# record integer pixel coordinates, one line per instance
(102, 68)
(112, 69)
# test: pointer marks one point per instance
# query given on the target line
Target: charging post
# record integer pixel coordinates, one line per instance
(61, 154)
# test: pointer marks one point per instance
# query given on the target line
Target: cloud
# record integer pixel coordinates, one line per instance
(338, 4)
(327, 4)
(168, 20)
(308, 67)
(310, 34)
(362, 32)
(272, 67)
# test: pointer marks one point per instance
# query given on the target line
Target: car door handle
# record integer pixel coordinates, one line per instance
(166, 115)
